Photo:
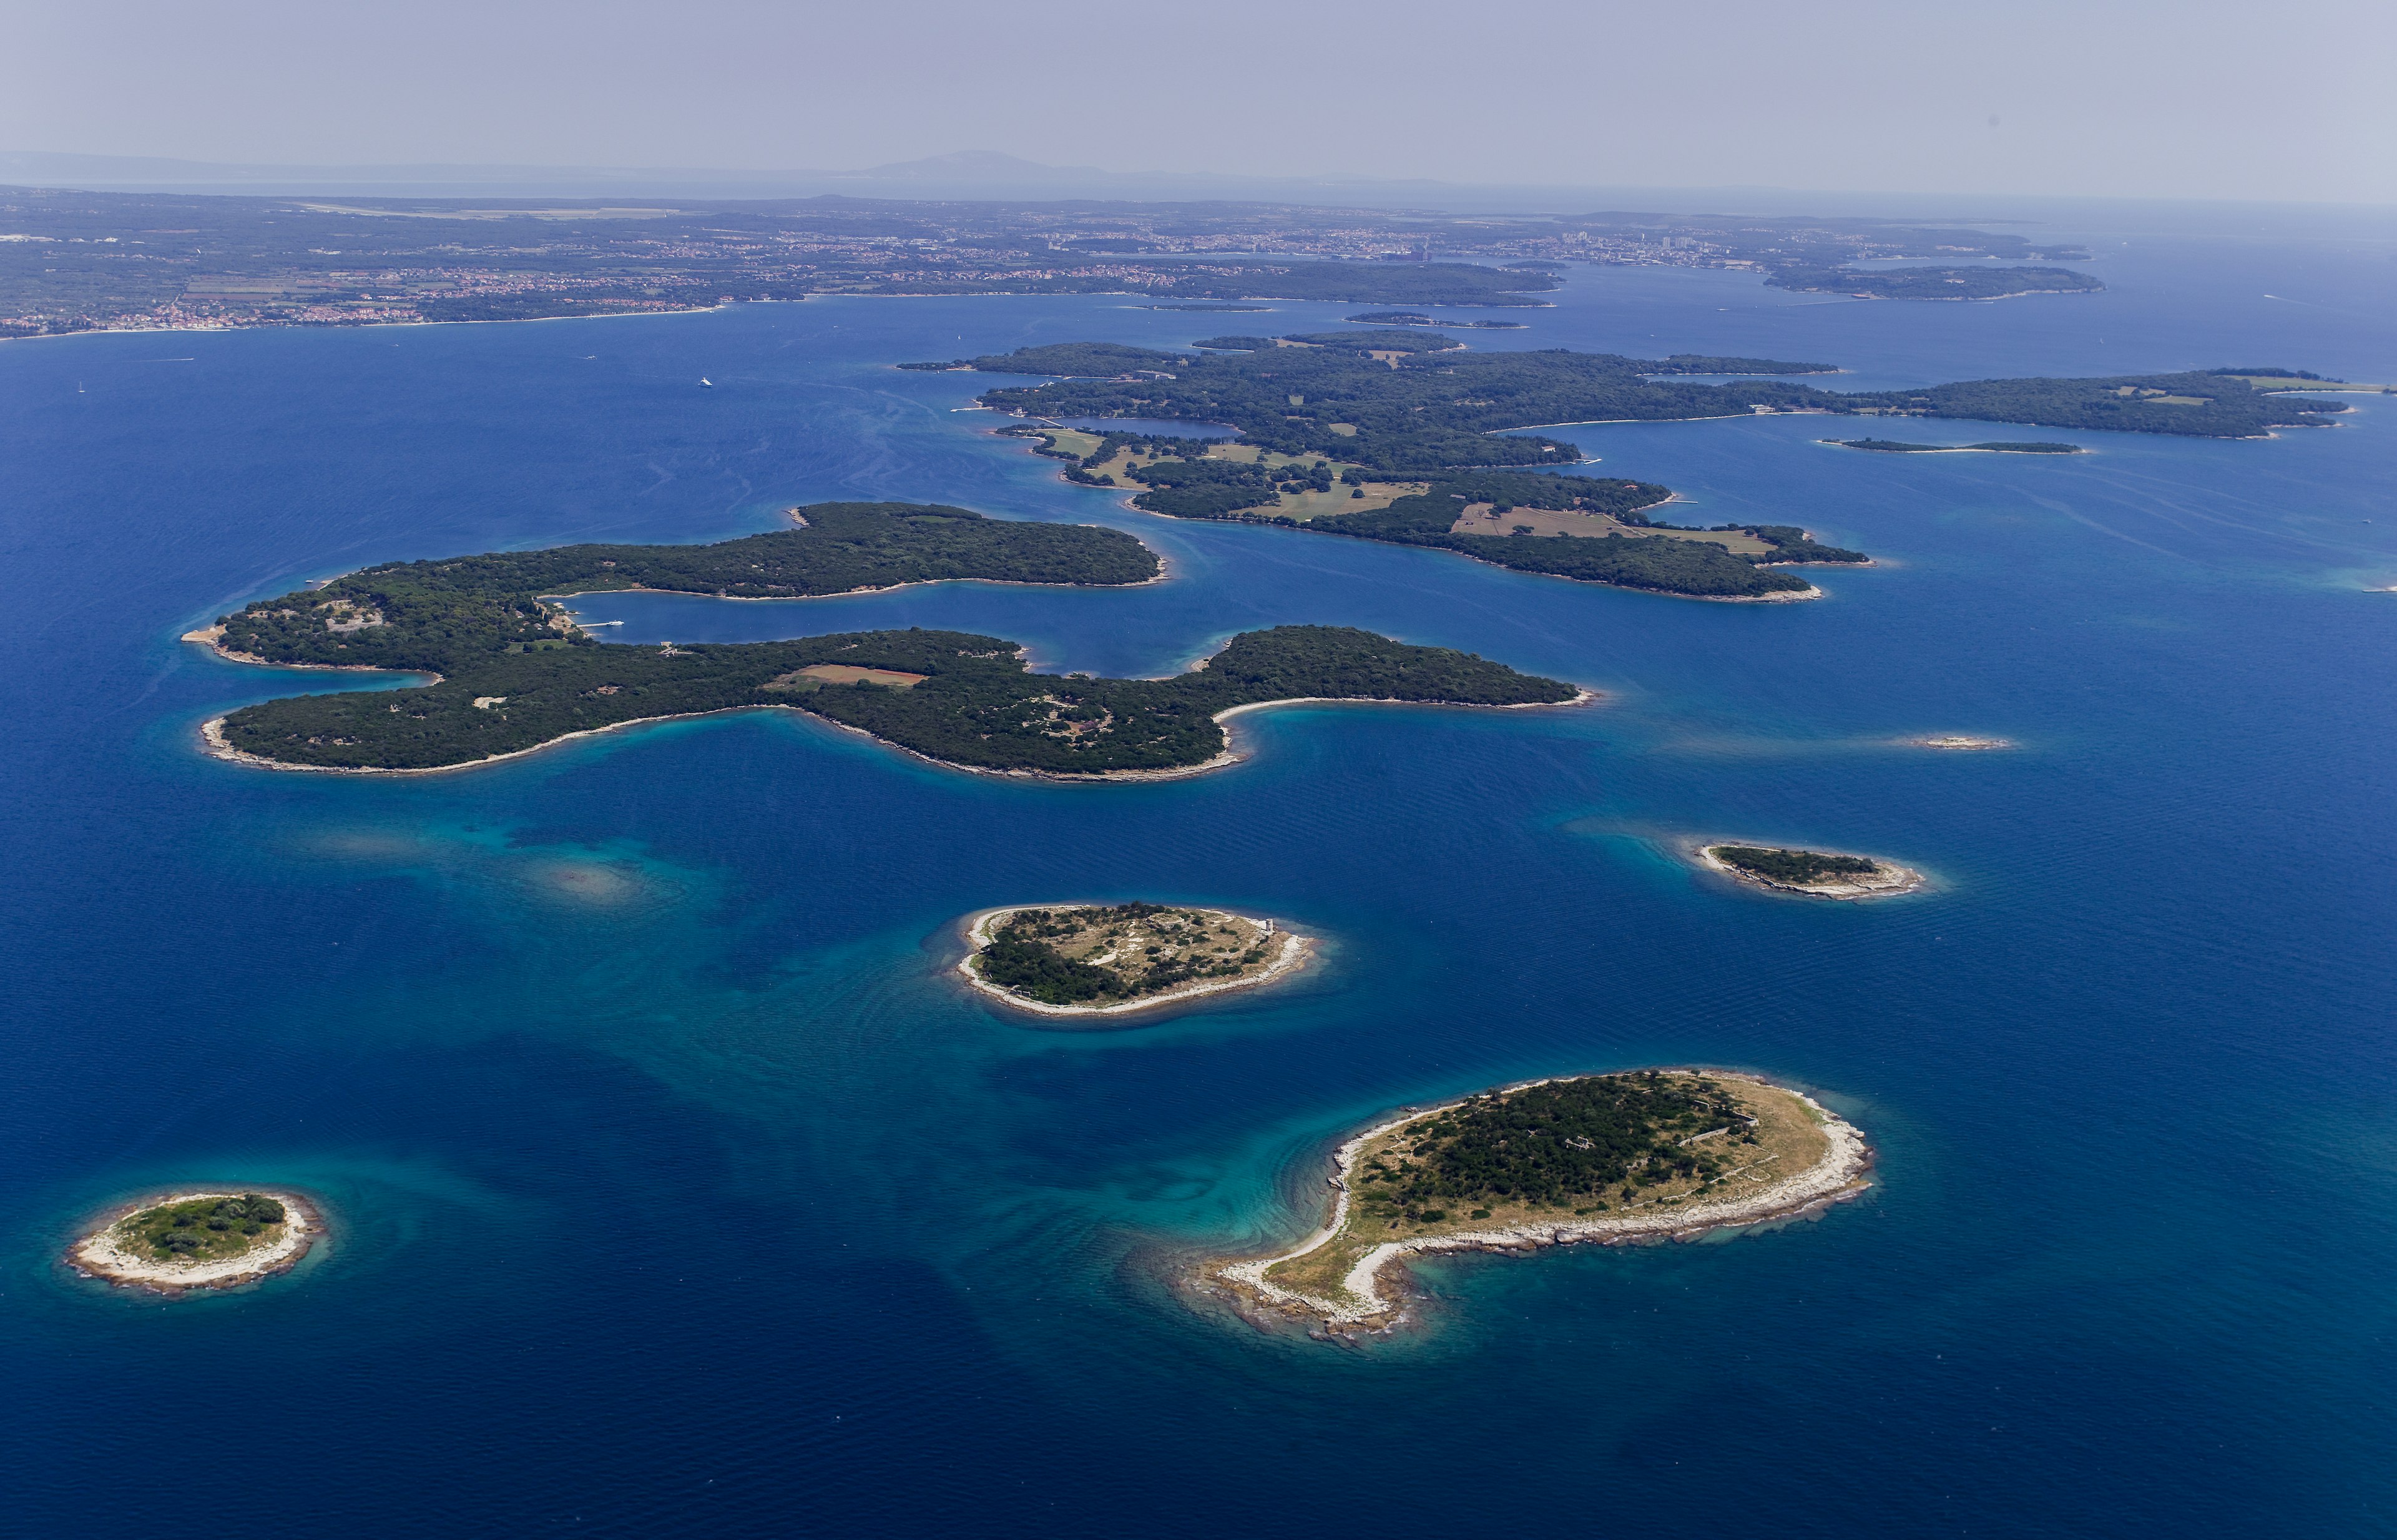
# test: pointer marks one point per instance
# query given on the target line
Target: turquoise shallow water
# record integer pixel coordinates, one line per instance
(678, 1190)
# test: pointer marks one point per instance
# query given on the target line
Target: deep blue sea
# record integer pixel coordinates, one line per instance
(678, 1190)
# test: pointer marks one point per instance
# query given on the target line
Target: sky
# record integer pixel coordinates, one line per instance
(2195, 98)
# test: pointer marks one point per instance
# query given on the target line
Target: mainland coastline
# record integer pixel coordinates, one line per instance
(114, 1252)
(1335, 1275)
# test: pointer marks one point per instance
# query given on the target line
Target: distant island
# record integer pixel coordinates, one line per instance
(1892, 446)
(513, 673)
(1407, 402)
(184, 1240)
(1090, 959)
(1414, 318)
(1608, 1159)
(1961, 742)
(1933, 283)
(1411, 423)
(1811, 872)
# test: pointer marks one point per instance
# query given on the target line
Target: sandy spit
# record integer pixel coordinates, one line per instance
(1839, 1175)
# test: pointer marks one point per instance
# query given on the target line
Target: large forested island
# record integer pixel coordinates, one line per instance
(1383, 435)
(428, 615)
(1590, 528)
(1611, 1158)
(514, 672)
(1108, 959)
(1355, 397)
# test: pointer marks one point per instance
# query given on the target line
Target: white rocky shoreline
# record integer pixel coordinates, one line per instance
(1890, 881)
(1839, 1175)
(99, 1255)
(980, 925)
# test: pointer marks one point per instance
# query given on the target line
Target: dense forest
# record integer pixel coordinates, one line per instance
(1802, 866)
(1415, 318)
(203, 1229)
(2197, 403)
(441, 615)
(1363, 343)
(1565, 1143)
(971, 702)
(1434, 411)
(1451, 409)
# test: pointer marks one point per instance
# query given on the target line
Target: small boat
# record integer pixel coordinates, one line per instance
(705, 381)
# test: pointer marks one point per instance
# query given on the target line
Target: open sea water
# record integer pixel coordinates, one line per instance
(676, 1189)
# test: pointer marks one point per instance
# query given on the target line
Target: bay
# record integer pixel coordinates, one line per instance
(676, 1189)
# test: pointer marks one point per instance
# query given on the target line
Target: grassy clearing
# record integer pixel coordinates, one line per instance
(845, 674)
(204, 1230)
(1301, 506)
(1480, 519)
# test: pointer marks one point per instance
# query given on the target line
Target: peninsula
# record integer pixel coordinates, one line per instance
(511, 672)
(1092, 959)
(1815, 873)
(184, 1240)
(1616, 1160)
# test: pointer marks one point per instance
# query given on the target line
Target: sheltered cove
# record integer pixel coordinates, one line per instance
(112, 1250)
(1336, 1275)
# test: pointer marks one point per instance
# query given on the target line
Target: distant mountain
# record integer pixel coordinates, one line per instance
(966, 174)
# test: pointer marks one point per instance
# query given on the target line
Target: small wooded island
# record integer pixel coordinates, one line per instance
(1811, 872)
(514, 673)
(199, 1240)
(1611, 1159)
(1416, 318)
(1895, 445)
(1091, 959)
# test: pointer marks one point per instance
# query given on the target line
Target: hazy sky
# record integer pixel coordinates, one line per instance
(2191, 98)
